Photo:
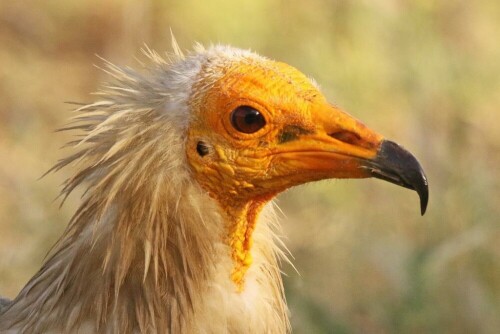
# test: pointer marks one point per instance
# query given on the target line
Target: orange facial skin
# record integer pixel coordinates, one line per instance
(304, 139)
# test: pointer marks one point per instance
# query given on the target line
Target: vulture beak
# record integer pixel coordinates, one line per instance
(340, 146)
(395, 164)
(369, 152)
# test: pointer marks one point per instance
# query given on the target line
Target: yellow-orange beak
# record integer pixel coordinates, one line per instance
(342, 147)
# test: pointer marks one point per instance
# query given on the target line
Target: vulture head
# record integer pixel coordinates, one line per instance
(259, 127)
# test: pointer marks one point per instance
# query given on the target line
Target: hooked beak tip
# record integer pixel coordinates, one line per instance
(423, 193)
(395, 164)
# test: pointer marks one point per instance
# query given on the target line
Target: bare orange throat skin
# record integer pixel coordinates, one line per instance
(240, 240)
(241, 223)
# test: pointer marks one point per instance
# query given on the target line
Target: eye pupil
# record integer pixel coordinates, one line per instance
(247, 119)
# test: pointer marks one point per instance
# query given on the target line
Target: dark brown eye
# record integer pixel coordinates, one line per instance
(247, 119)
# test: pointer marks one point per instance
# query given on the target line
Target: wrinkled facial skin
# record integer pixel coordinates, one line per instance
(304, 137)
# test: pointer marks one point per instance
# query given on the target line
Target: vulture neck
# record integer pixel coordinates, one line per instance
(158, 259)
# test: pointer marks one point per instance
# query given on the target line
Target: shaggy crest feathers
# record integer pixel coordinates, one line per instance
(143, 252)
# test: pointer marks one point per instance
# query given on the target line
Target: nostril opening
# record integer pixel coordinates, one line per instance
(347, 137)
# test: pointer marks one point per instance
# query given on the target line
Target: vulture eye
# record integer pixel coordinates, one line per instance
(247, 119)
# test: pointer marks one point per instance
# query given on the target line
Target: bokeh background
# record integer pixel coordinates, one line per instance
(425, 73)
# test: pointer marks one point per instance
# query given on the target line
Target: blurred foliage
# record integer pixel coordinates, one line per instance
(425, 73)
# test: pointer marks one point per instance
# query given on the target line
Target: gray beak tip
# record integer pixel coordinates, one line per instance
(396, 165)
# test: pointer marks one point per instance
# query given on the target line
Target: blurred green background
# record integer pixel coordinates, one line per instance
(424, 73)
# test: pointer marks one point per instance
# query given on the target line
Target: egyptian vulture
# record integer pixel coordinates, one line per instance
(180, 162)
